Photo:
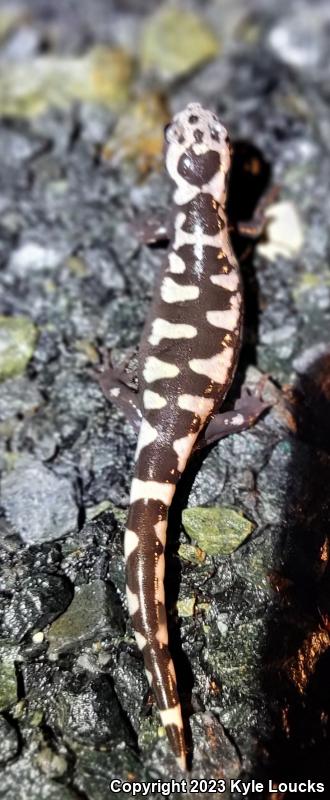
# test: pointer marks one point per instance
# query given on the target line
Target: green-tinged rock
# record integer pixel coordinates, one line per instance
(36, 718)
(236, 654)
(149, 731)
(95, 609)
(139, 133)
(218, 531)
(175, 42)
(92, 512)
(17, 341)
(101, 76)
(310, 282)
(8, 683)
(51, 764)
(189, 552)
(186, 606)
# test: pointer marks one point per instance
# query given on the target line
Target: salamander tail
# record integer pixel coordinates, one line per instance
(145, 568)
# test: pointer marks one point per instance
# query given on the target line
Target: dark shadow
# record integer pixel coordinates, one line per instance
(297, 662)
(250, 179)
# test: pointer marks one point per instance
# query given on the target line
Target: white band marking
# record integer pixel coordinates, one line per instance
(197, 405)
(162, 329)
(132, 601)
(140, 640)
(155, 369)
(177, 264)
(216, 368)
(183, 448)
(131, 541)
(147, 435)
(229, 281)
(152, 490)
(160, 531)
(153, 399)
(171, 716)
(224, 319)
(172, 292)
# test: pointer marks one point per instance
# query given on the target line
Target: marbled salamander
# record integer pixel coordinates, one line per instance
(187, 359)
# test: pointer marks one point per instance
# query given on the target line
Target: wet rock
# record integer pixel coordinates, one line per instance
(130, 682)
(40, 505)
(209, 483)
(94, 610)
(35, 603)
(175, 42)
(92, 714)
(8, 681)
(95, 769)
(24, 778)
(234, 653)
(17, 341)
(8, 741)
(214, 752)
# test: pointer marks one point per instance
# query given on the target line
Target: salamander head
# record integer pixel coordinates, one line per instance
(197, 151)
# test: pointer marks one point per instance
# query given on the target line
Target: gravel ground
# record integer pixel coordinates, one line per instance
(85, 89)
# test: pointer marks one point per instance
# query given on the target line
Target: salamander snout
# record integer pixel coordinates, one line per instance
(197, 128)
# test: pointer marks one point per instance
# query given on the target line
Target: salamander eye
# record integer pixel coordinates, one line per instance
(214, 134)
(173, 133)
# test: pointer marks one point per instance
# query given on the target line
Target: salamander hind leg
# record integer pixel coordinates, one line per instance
(115, 384)
(247, 410)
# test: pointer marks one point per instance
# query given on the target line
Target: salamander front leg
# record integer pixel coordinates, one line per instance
(255, 227)
(151, 231)
(115, 384)
(247, 410)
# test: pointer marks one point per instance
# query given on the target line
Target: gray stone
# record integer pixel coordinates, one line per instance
(8, 741)
(40, 505)
(18, 396)
(35, 603)
(94, 610)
